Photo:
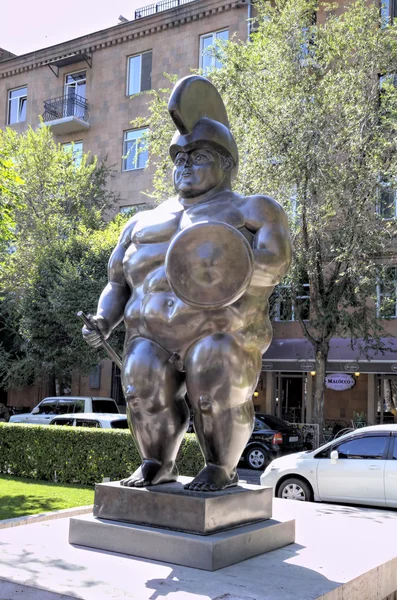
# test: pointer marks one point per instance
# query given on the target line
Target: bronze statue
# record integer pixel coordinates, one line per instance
(191, 279)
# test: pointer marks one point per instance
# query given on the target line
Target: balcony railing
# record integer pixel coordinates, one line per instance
(71, 105)
(152, 9)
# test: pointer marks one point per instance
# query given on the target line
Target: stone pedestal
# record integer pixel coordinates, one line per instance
(170, 524)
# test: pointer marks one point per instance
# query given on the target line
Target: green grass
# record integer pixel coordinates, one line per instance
(20, 497)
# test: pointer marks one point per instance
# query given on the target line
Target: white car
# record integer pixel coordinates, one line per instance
(60, 405)
(101, 421)
(360, 467)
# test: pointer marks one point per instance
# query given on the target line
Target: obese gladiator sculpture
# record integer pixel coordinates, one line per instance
(191, 279)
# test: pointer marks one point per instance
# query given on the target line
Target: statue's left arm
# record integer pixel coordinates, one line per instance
(272, 243)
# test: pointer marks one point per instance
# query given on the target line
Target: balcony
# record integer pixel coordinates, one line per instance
(152, 9)
(66, 114)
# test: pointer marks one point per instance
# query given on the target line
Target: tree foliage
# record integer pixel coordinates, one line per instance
(313, 108)
(56, 263)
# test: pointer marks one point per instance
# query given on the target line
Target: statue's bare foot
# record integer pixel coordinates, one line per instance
(212, 479)
(151, 472)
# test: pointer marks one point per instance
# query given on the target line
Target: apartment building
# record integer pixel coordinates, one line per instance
(88, 90)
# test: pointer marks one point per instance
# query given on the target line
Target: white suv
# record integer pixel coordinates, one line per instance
(60, 405)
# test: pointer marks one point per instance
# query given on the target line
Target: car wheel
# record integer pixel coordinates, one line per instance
(295, 489)
(256, 458)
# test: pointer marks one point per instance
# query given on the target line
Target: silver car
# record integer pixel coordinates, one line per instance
(360, 467)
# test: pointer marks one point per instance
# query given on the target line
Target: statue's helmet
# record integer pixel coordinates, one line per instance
(199, 114)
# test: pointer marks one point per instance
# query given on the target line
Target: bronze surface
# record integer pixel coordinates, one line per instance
(191, 279)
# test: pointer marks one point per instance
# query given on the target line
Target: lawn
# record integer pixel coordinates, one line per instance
(20, 497)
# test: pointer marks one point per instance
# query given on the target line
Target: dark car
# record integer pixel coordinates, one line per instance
(272, 437)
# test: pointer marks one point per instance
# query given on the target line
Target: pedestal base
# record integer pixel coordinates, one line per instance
(194, 529)
(170, 506)
(210, 552)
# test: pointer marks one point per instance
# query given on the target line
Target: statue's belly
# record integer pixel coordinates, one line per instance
(155, 312)
(162, 317)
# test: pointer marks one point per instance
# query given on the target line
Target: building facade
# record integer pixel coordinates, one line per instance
(88, 90)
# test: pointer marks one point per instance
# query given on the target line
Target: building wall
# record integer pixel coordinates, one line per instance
(342, 405)
(81, 383)
(27, 397)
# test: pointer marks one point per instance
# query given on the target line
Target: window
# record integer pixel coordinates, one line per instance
(48, 407)
(134, 208)
(260, 425)
(87, 423)
(70, 406)
(139, 76)
(364, 448)
(121, 424)
(387, 196)
(388, 11)
(394, 457)
(76, 149)
(75, 84)
(209, 57)
(104, 406)
(307, 45)
(17, 105)
(386, 294)
(68, 422)
(286, 309)
(135, 154)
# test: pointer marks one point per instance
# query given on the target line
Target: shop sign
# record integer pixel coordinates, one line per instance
(339, 381)
(307, 366)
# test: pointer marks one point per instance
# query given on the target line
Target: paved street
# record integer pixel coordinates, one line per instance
(249, 476)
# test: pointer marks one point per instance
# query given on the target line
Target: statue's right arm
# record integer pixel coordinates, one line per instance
(116, 293)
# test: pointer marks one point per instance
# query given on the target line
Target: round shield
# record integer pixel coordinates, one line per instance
(209, 265)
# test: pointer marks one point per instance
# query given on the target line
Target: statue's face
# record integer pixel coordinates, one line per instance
(196, 172)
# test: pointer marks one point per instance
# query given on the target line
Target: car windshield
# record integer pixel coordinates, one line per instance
(47, 407)
(100, 405)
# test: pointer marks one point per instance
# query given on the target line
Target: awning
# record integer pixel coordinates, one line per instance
(69, 59)
(298, 355)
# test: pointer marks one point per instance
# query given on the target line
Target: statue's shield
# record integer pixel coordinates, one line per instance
(209, 265)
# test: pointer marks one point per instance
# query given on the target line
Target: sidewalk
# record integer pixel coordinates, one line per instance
(337, 556)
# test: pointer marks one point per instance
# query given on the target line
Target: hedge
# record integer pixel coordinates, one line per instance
(79, 455)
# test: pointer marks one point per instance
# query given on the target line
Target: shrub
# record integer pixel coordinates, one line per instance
(78, 455)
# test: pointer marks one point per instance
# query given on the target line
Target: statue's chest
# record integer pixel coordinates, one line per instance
(148, 246)
(225, 212)
(145, 256)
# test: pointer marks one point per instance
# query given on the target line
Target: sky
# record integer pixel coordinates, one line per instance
(29, 25)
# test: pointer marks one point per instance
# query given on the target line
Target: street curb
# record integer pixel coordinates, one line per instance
(48, 516)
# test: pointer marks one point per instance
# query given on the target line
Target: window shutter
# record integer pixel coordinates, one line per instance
(95, 377)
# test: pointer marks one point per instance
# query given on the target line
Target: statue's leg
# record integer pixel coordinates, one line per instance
(157, 412)
(221, 376)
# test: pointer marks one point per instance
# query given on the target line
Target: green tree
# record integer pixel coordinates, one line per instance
(56, 263)
(47, 340)
(9, 181)
(313, 108)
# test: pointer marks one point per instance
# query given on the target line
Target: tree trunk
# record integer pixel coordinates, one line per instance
(319, 388)
(51, 384)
